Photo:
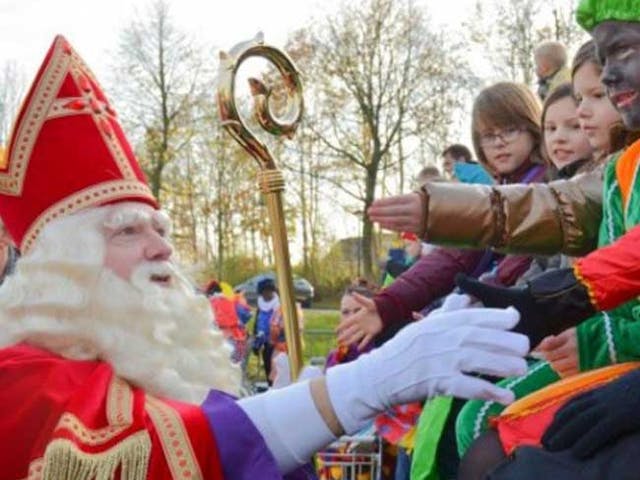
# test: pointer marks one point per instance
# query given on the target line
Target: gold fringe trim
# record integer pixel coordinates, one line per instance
(87, 436)
(592, 294)
(64, 461)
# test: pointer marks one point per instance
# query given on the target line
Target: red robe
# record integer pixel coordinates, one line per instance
(73, 419)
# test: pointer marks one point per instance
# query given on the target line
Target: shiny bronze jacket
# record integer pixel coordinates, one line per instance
(560, 216)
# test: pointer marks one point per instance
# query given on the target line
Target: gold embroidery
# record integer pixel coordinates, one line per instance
(28, 129)
(44, 106)
(89, 436)
(119, 402)
(119, 411)
(100, 113)
(89, 197)
(64, 460)
(174, 439)
(35, 469)
(60, 107)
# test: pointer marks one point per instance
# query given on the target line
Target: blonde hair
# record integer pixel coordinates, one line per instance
(503, 105)
(552, 51)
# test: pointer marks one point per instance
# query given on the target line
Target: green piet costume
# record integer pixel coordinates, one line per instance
(592, 12)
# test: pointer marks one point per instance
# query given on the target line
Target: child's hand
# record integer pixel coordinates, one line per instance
(362, 326)
(561, 351)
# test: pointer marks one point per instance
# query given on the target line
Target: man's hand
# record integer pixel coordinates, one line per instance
(561, 351)
(548, 304)
(362, 326)
(401, 213)
(597, 418)
(430, 357)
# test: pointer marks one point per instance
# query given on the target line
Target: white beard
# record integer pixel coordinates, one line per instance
(160, 338)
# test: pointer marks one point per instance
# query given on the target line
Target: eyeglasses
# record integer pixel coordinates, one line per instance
(507, 135)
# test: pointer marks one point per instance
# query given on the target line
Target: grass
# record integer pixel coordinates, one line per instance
(319, 332)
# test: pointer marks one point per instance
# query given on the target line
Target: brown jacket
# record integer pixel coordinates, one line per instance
(561, 216)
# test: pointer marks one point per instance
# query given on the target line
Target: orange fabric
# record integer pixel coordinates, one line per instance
(525, 421)
(47, 398)
(224, 310)
(67, 150)
(625, 170)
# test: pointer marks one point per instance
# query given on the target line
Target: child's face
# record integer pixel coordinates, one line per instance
(564, 141)
(348, 307)
(413, 248)
(618, 46)
(595, 112)
(447, 163)
(506, 149)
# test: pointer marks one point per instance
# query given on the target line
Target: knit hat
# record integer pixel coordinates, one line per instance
(591, 13)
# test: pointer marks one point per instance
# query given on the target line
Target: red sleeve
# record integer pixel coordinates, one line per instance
(428, 279)
(612, 273)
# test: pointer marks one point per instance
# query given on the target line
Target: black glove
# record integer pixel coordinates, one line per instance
(548, 303)
(597, 418)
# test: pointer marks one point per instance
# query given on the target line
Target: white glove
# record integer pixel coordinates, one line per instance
(454, 301)
(429, 358)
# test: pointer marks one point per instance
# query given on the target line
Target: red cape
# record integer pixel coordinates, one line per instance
(65, 417)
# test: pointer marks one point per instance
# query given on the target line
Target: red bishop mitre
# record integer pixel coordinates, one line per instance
(67, 151)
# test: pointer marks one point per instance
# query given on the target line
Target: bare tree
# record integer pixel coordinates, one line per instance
(158, 73)
(12, 88)
(375, 67)
(562, 24)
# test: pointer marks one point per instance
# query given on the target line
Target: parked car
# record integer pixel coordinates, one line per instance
(302, 288)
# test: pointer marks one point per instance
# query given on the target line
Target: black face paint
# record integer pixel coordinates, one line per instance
(618, 46)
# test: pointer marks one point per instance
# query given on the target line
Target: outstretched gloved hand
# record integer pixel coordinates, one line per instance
(548, 304)
(430, 357)
(597, 418)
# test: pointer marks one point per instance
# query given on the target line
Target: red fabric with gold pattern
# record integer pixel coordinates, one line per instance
(64, 416)
(611, 274)
(525, 421)
(67, 150)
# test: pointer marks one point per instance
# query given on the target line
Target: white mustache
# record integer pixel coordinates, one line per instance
(141, 276)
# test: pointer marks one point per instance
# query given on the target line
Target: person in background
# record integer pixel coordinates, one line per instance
(428, 174)
(276, 328)
(226, 318)
(550, 60)
(458, 165)
(268, 303)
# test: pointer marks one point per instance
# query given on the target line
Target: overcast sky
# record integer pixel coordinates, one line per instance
(27, 27)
